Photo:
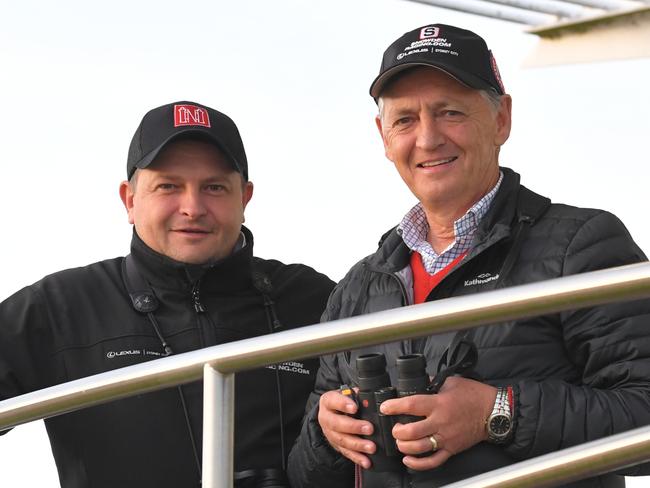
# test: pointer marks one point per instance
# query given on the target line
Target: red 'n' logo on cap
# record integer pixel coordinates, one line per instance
(429, 31)
(190, 115)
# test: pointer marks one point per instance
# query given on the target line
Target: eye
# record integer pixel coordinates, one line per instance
(452, 114)
(165, 186)
(215, 188)
(402, 121)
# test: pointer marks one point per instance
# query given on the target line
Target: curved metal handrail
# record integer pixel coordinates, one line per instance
(218, 363)
(572, 464)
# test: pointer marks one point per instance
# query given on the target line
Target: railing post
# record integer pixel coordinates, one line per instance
(218, 428)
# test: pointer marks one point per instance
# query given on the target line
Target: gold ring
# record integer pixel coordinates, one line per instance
(434, 443)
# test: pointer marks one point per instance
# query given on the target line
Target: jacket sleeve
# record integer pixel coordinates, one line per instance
(609, 345)
(313, 463)
(23, 338)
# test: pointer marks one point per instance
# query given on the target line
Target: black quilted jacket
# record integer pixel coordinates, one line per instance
(577, 375)
(80, 322)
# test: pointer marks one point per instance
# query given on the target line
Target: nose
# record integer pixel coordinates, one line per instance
(429, 136)
(192, 204)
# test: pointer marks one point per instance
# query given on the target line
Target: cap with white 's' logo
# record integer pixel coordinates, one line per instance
(460, 53)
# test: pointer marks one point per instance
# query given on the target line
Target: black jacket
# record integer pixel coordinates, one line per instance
(79, 322)
(577, 375)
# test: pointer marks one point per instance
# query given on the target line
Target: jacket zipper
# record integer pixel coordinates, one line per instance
(207, 328)
(199, 309)
(198, 306)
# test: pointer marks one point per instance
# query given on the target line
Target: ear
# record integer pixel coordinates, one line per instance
(381, 134)
(126, 194)
(247, 194)
(504, 120)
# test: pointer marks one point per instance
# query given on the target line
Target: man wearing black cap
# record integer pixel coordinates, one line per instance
(190, 281)
(539, 384)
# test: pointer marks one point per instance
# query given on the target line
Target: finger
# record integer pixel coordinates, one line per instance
(394, 406)
(336, 421)
(437, 459)
(419, 405)
(419, 446)
(415, 430)
(341, 441)
(357, 458)
(334, 400)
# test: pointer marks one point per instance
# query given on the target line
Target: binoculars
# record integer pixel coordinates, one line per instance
(412, 379)
(375, 388)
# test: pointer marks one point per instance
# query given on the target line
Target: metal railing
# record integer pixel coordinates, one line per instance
(540, 13)
(218, 364)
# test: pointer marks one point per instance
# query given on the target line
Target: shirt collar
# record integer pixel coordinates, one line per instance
(414, 226)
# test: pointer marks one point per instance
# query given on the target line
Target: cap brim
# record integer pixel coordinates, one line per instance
(151, 155)
(467, 79)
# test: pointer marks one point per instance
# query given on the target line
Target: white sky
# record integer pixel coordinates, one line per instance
(77, 77)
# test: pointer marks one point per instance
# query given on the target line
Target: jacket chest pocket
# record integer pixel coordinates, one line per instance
(106, 355)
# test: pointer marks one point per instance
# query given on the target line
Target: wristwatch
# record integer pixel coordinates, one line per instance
(499, 423)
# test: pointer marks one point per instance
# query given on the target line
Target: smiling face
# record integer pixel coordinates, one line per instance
(189, 203)
(443, 138)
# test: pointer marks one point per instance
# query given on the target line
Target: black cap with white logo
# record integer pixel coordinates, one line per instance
(458, 52)
(164, 124)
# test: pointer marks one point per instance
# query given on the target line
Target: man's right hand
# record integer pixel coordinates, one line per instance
(342, 431)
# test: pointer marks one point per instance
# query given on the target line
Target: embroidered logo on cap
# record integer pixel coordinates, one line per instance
(190, 115)
(429, 32)
(497, 74)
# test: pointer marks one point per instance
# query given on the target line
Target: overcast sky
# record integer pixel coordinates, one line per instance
(77, 76)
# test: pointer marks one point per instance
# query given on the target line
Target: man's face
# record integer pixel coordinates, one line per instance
(443, 138)
(189, 203)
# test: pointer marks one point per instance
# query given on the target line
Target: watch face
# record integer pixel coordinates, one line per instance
(499, 425)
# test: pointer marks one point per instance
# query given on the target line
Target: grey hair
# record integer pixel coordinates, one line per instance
(492, 97)
(380, 106)
(134, 179)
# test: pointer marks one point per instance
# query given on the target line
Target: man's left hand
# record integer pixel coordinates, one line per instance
(455, 417)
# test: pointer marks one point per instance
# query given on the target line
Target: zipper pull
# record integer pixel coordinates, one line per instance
(198, 306)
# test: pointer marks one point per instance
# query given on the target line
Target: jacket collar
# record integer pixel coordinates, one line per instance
(393, 255)
(230, 274)
(498, 221)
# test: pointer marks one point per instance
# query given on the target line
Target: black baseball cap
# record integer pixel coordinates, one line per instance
(460, 53)
(164, 124)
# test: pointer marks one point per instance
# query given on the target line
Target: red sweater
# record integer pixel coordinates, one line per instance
(423, 282)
